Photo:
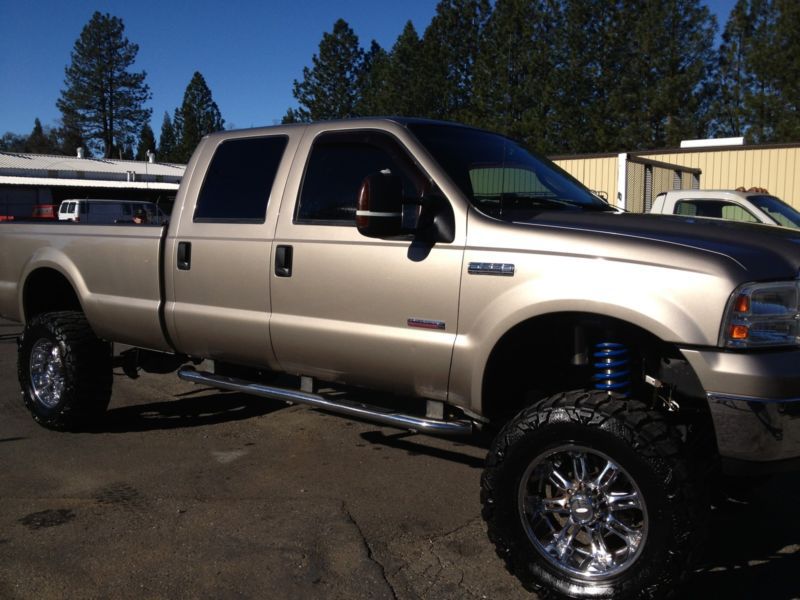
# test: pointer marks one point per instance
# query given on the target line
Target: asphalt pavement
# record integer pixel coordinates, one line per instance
(188, 492)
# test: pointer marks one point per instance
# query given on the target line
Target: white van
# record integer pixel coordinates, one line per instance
(105, 212)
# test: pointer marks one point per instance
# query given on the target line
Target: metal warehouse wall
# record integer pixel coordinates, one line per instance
(598, 173)
(771, 167)
(774, 167)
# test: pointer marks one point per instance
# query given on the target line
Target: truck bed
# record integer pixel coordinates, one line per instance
(115, 269)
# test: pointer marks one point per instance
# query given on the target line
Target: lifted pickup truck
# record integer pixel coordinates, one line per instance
(624, 358)
(747, 206)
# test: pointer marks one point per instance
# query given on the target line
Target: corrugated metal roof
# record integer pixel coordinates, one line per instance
(72, 167)
(89, 183)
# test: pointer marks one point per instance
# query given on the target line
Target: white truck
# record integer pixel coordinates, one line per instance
(754, 205)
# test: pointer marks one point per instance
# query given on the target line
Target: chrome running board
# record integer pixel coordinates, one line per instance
(341, 406)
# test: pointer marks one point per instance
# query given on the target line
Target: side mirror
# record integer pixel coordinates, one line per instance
(379, 212)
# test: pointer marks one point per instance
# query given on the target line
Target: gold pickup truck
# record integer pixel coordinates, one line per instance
(622, 360)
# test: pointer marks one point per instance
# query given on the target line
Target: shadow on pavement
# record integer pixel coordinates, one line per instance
(401, 441)
(185, 412)
(754, 548)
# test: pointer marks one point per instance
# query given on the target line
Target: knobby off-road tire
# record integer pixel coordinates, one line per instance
(64, 370)
(587, 495)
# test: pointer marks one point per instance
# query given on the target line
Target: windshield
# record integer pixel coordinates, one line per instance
(781, 213)
(500, 177)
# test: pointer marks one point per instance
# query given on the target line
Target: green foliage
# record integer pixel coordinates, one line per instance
(167, 141)
(331, 88)
(38, 142)
(147, 142)
(197, 116)
(759, 71)
(102, 97)
(12, 142)
(516, 80)
(448, 56)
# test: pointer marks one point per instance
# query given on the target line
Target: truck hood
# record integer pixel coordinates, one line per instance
(758, 252)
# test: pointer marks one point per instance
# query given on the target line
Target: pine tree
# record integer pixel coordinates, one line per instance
(38, 142)
(515, 83)
(197, 116)
(449, 51)
(330, 89)
(394, 86)
(372, 84)
(101, 95)
(734, 76)
(167, 142)
(12, 142)
(147, 142)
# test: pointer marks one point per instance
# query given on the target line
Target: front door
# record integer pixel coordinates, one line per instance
(375, 312)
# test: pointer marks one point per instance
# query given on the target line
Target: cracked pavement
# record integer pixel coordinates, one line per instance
(187, 492)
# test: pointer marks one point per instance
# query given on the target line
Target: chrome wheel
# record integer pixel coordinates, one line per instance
(47, 372)
(582, 511)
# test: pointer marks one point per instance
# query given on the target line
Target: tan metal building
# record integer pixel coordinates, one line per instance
(631, 180)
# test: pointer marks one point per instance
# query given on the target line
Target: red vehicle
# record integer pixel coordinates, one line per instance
(45, 211)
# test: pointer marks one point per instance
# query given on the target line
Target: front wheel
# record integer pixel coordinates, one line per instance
(64, 370)
(588, 496)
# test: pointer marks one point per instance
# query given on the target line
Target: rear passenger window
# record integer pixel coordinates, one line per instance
(239, 180)
(338, 164)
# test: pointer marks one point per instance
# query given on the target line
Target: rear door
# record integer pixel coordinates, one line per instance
(218, 263)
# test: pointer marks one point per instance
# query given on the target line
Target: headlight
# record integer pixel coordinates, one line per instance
(762, 314)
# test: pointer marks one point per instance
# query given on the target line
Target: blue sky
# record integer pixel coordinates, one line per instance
(248, 51)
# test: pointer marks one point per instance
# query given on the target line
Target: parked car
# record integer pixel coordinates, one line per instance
(105, 212)
(749, 206)
(45, 211)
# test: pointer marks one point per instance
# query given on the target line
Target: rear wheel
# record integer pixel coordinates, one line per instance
(587, 496)
(64, 370)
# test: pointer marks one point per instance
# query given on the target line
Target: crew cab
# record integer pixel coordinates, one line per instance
(621, 361)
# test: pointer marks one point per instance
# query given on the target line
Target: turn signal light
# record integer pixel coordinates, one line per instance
(742, 304)
(740, 332)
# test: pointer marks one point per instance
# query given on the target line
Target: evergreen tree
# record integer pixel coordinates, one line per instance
(70, 137)
(289, 117)
(637, 77)
(449, 51)
(12, 142)
(394, 86)
(515, 83)
(197, 116)
(733, 75)
(38, 142)
(167, 142)
(147, 142)
(372, 84)
(101, 95)
(330, 89)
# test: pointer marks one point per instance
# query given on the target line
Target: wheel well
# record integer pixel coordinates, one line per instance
(553, 353)
(47, 290)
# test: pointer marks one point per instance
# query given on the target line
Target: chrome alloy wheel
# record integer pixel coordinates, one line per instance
(47, 372)
(583, 512)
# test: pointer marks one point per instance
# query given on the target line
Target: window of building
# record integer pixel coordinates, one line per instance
(239, 180)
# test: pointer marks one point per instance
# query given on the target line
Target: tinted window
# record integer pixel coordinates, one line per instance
(338, 165)
(239, 180)
(500, 177)
(715, 209)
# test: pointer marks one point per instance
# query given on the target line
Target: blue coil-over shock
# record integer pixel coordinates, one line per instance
(611, 368)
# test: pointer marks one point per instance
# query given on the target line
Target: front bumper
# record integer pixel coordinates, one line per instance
(754, 400)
